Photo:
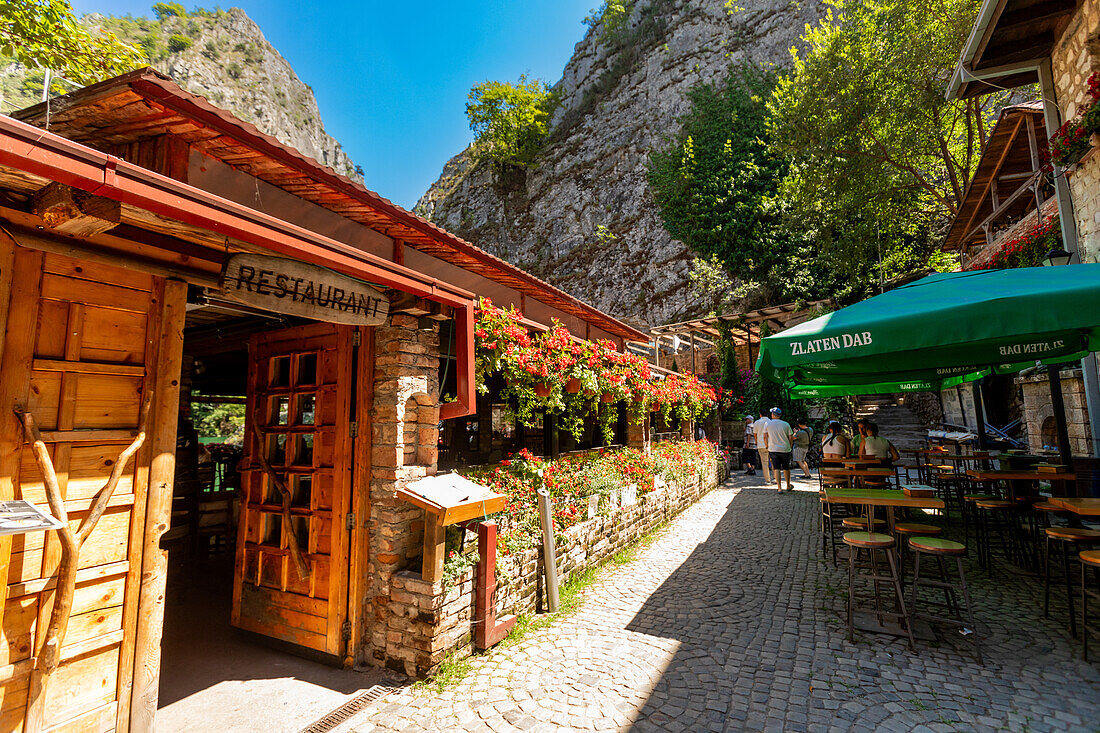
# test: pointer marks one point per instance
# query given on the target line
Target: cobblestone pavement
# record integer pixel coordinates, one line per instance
(731, 621)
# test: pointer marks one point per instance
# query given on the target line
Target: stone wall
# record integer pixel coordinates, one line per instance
(404, 439)
(1074, 58)
(428, 623)
(1038, 411)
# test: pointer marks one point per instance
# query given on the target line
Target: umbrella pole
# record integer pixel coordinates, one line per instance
(1054, 374)
(979, 414)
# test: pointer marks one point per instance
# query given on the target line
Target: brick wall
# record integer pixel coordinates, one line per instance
(404, 438)
(1038, 409)
(427, 624)
(1074, 58)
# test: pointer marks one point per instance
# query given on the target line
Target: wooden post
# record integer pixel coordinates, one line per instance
(162, 469)
(488, 630)
(435, 548)
(1054, 373)
(979, 414)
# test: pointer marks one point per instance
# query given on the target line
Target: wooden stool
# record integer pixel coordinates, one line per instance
(1065, 536)
(998, 514)
(874, 542)
(905, 530)
(861, 523)
(969, 512)
(831, 517)
(941, 549)
(1089, 559)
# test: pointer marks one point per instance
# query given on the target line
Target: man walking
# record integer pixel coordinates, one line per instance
(778, 438)
(759, 428)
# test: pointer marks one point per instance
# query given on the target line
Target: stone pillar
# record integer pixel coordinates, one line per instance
(404, 436)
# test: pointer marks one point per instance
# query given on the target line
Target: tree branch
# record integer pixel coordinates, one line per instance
(300, 563)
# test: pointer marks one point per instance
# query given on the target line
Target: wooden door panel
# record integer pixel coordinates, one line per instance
(84, 367)
(300, 391)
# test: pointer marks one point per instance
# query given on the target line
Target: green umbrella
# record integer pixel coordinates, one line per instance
(940, 331)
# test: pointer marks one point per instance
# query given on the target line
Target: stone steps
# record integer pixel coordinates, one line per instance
(895, 421)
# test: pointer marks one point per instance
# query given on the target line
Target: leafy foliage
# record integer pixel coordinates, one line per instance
(877, 152)
(178, 42)
(716, 185)
(44, 34)
(611, 17)
(225, 422)
(510, 121)
(169, 10)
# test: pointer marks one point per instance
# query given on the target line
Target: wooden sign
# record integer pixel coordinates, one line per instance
(297, 288)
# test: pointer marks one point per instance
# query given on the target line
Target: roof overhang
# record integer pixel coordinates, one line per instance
(1010, 39)
(145, 103)
(777, 317)
(1002, 184)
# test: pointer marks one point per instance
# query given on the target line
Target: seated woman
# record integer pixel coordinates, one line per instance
(878, 448)
(835, 445)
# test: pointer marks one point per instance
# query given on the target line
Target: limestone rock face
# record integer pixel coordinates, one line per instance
(224, 57)
(583, 217)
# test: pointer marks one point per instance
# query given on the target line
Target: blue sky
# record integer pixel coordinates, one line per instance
(391, 78)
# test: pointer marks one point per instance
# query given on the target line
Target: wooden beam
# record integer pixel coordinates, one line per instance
(435, 548)
(162, 469)
(81, 250)
(989, 220)
(969, 227)
(72, 211)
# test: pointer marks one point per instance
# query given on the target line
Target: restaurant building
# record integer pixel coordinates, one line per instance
(154, 248)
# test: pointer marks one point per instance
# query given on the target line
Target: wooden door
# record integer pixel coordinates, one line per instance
(79, 353)
(300, 389)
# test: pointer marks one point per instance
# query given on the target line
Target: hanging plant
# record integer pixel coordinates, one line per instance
(1072, 140)
(573, 379)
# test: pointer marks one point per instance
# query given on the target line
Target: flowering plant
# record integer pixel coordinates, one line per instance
(1071, 141)
(570, 480)
(574, 379)
(1027, 250)
(688, 396)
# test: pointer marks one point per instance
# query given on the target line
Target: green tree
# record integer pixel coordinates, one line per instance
(863, 116)
(178, 43)
(510, 121)
(716, 184)
(45, 34)
(169, 10)
(225, 422)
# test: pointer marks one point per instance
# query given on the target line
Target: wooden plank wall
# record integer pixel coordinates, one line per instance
(79, 351)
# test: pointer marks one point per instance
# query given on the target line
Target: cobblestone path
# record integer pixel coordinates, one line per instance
(731, 621)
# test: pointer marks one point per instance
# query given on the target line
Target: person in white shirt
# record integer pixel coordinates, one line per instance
(875, 447)
(778, 441)
(758, 429)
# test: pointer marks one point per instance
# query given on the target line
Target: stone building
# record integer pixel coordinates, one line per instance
(1055, 45)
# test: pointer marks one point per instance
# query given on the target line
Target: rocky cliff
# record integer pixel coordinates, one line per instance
(583, 217)
(220, 55)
